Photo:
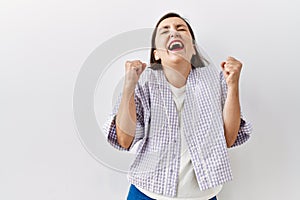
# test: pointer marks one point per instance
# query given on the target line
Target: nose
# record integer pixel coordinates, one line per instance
(174, 34)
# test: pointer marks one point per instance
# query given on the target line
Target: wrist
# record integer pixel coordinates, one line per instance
(233, 88)
(234, 84)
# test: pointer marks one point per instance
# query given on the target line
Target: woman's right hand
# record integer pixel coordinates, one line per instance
(133, 70)
(126, 116)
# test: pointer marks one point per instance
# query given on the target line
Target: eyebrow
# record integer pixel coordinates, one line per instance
(177, 26)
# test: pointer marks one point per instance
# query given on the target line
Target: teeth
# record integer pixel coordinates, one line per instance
(175, 44)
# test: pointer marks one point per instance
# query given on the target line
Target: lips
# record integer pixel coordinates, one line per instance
(175, 45)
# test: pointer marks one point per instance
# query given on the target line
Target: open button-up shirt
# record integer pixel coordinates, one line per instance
(156, 165)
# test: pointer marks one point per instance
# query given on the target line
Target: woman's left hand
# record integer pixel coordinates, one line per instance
(231, 69)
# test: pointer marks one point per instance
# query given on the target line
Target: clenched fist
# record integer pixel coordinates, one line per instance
(231, 69)
(133, 70)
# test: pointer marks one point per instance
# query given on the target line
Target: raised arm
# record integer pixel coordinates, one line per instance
(231, 111)
(126, 115)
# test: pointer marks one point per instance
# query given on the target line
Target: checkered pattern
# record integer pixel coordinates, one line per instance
(156, 166)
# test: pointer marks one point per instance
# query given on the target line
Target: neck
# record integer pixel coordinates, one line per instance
(177, 74)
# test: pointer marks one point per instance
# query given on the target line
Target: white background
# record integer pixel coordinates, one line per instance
(43, 45)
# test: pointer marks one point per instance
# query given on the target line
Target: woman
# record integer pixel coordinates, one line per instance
(185, 115)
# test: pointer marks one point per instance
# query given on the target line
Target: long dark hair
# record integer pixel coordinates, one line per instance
(196, 61)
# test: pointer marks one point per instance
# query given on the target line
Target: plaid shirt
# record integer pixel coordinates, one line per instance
(156, 166)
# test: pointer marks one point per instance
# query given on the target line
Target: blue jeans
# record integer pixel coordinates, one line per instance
(135, 194)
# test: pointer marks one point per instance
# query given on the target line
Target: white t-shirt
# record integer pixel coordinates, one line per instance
(188, 188)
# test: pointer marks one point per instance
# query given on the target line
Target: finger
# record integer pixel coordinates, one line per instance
(231, 69)
(133, 62)
(135, 66)
(227, 67)
(230, 58)
(127, 63)
(223, 64)
(140, 65)
(144, 65)
(137, 62)
(225, 73)
(234, 61)
(130, 65)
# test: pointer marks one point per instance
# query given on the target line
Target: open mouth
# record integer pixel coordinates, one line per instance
(175, 45)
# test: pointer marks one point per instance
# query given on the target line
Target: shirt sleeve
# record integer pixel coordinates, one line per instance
(109, 126)
(245, 129)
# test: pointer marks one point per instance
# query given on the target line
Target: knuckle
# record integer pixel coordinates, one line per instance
(128, 63)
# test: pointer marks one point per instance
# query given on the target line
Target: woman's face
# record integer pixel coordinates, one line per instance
(174, 43)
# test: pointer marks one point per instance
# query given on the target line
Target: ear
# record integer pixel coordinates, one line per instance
(156, 55)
